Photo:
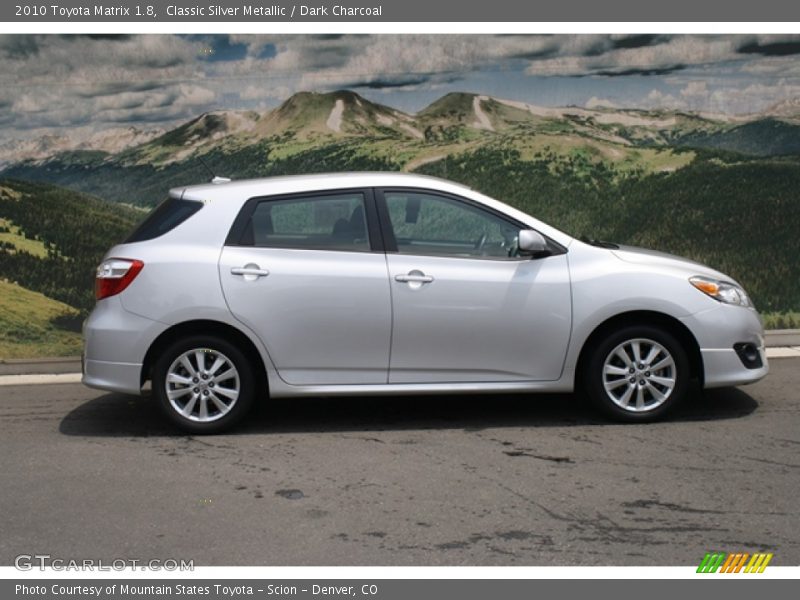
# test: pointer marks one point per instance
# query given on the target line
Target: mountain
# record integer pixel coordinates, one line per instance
(117, 139)
(459, 115)
(33, 149)
(308, 115)
(787, 109)
(313, 132)
(108, 141)
(457, 109)
(303, 118)
(200, 133)
(763, 137)
(456, 118)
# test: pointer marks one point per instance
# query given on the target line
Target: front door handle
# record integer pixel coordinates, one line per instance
(250, 271)
(414, 277)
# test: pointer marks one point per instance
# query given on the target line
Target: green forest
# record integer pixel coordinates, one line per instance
(52, 240)
(75, 229)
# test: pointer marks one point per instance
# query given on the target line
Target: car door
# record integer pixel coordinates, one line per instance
(466, 306)
(308, 275)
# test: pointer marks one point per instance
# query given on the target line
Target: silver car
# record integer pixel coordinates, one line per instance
(388, 283)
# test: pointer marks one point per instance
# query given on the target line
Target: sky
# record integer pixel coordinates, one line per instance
(77, 85)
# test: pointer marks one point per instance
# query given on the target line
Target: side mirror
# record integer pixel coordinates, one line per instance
(533, 243)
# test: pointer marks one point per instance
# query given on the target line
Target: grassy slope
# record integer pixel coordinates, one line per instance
(26, 325)
(16, 237)
(78, 228)
(44, 296)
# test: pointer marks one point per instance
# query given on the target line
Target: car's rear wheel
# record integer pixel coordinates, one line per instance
(204, 384)
(637, 374)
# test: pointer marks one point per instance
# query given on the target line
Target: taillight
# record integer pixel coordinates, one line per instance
(114, 275)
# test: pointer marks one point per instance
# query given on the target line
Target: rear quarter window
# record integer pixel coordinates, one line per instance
(165, 217)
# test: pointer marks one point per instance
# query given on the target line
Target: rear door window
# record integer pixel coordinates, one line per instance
(324, 222)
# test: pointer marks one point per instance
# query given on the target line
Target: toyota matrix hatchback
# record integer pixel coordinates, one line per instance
(387, 283)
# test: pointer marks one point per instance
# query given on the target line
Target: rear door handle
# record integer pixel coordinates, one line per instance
(250, 271)
(413, 278)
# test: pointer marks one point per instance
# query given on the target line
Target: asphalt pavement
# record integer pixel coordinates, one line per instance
(476, 480)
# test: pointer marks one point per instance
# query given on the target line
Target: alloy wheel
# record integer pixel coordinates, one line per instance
(639, 375)
(202, 385)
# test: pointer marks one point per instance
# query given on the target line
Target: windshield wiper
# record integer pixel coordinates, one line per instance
(599, 243)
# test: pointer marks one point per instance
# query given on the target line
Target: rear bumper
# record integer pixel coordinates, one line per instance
(115, 342)
(112, 376)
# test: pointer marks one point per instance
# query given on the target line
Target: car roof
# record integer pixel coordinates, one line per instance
(284, 184)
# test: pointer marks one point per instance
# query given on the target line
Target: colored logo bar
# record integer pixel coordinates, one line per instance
(737, 562)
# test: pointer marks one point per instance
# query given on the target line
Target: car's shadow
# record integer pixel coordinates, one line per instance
(118, 415)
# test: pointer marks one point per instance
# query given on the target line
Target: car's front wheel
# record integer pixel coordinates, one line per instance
(204, 384)
(638, 373)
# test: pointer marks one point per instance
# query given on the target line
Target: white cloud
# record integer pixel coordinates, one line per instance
(595, 102)
(674, 54)
(695, 90)
(658, 99)
(264, 92)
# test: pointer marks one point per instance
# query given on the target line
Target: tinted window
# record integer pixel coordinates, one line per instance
(429, 224)
(165, 217)
(329, 222)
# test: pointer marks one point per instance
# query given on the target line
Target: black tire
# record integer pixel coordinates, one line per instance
(212, 348)
(657, 399)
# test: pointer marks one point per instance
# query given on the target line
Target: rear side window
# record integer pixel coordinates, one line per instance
(165, 217)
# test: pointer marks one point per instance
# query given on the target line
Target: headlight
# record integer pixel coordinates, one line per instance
(728, 293)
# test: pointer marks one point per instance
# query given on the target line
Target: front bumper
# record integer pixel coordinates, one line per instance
(717, 330)
(723, 367)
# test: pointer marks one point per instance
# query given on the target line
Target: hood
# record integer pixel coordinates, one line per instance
(643, 256)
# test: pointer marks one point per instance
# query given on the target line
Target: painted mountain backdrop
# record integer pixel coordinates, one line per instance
(719, 189)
